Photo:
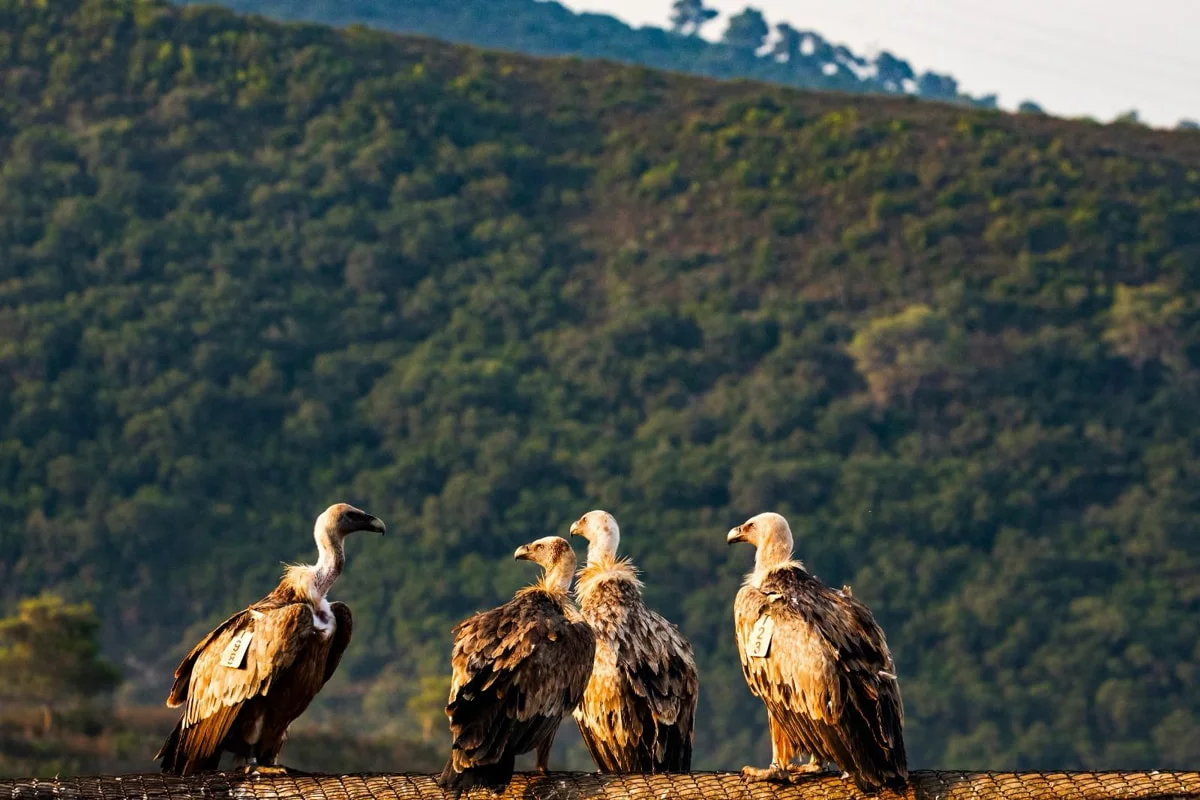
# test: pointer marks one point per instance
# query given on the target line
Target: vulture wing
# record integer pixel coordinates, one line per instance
(642, 721)
(236, 662)
(660, 672)
(516, 670)
(827, 677)
(341, 638)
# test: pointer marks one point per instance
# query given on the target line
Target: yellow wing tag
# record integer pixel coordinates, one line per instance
(760, 637)
(235, 651)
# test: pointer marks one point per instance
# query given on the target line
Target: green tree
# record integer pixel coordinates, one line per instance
(1144, 324)
(50, 654)
(935, 86)
(902, 354)
(689, 16)
(893, 72)
(747, 30)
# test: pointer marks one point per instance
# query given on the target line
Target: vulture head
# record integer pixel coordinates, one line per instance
(343, 519)
(554, 555)
(770, 534)
(602, 534)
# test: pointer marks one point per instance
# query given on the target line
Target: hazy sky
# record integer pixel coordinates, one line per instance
(1074, 57)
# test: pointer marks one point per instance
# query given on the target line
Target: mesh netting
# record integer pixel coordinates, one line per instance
(578, 786)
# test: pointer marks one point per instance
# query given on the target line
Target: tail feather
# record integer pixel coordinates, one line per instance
(180, 755)
(495, 777)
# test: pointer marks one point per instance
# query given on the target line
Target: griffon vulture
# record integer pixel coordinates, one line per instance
(637, 712)
(819, 662)
(517, 670)
(245, 682)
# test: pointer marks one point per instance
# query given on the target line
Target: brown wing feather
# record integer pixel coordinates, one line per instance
(215, 694)
(183, 673)
(341, 638)
(516, 670)
(640, 704)
(828, 679)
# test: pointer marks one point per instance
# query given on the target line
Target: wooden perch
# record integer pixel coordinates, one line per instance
(582, 786)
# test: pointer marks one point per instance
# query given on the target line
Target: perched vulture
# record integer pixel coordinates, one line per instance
(517, 670)
(637, 712)
(819, 662)
(245, 682)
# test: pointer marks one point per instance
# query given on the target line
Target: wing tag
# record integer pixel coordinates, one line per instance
(760, 637)
(235, 651)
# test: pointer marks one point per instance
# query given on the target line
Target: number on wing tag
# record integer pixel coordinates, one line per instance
(235, 651)
(760, 637)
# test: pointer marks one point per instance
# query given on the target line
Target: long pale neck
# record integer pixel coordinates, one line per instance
(557, 577)
(331, 560)
(602, 548)
(772, 553)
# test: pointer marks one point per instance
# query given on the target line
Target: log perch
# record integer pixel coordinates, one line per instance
(591, 786)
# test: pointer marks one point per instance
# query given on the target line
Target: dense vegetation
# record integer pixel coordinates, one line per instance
(749, 47)
(249, 269)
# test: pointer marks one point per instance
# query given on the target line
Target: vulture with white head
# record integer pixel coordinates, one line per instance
(637, 712)
(247, 680)
(516, 671)
(819, 662)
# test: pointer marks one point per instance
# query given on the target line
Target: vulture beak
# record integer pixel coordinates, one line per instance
(376, 524)
(735, 535)
(522, 553)
(575, 528)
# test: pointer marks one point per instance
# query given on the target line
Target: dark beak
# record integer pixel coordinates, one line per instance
(735, 535)
(522, 553)
(374, 524)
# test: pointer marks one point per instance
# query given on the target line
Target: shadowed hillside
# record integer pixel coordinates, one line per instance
(249, 269)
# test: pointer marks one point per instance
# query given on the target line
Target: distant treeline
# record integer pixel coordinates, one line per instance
(750, 46)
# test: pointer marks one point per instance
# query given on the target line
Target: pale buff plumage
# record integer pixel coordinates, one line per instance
(828, 679)
(640, 703)
(297, 640)
(516, 671)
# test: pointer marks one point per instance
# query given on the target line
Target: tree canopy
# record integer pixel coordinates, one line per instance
(249, 269)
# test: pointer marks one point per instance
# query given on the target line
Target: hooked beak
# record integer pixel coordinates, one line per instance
(522, 553)
(376, 524)
(735, 535)
(575, 528)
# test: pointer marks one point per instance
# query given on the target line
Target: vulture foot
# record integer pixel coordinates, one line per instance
(812, 766)
(265, 770)
(772, 774)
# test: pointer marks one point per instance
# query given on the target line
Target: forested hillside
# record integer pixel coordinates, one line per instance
(247, 270)
(750, 45)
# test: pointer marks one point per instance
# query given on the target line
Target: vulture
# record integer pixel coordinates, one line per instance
(818, 660)
(638, 709)
(516, 670)
(245, 682)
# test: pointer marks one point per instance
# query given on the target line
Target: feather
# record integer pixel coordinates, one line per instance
(516, 670)
(638, 710)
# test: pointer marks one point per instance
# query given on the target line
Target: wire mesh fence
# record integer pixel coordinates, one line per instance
(590, 786)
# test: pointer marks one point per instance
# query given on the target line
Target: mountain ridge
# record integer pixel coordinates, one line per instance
(779, 54)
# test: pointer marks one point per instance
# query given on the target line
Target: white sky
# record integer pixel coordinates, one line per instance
(1073, 57)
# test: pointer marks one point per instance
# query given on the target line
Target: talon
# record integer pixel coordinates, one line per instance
(812, 766)
(269, 771)
(772, 774)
